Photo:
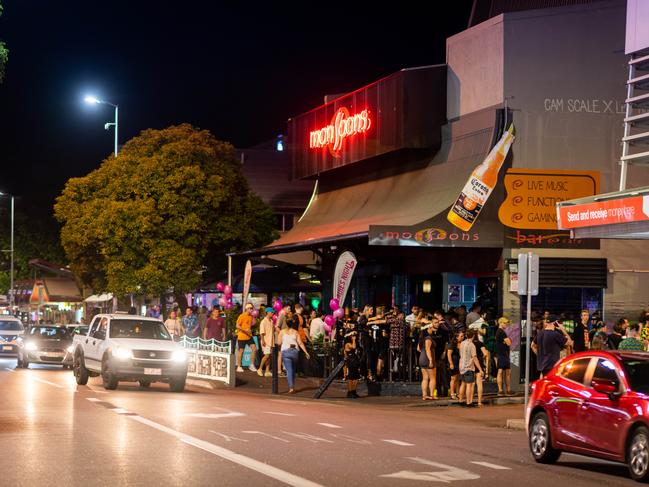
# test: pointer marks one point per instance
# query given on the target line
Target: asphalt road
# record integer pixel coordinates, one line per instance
(54, 432)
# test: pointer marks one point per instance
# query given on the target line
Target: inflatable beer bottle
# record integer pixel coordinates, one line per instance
(481, 183)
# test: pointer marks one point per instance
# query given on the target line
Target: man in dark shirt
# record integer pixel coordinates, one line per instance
(502, 344)
(548, 344)
(440, 340)
(580, 334)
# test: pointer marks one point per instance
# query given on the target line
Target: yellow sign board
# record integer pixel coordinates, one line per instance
(532, 195)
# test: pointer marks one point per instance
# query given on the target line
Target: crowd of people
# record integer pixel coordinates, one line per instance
(452, 352)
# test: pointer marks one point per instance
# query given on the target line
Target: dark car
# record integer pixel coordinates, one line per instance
(595, 404)
(46, 344)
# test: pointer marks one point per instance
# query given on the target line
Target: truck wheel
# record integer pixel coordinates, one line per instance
(79, 370)
(108, 378)
(145, 383)
(25, 363)
(177, 385)
(19, 362)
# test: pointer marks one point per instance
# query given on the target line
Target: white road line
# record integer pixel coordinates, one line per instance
(329, 425)
(351, 439)
(228, 438)
(93, 399)
(491, 465)
(120, 411)
(231, 414)
(254, 465)
(10, 370)
(266, 434)
(399, 443)
(278, 414)
(48, 382)
(308, 437)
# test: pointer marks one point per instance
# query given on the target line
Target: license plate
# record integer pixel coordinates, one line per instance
(7, 349)
(152, 371)
(52, 354)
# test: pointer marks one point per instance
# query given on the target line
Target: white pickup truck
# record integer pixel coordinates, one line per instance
(121, 347)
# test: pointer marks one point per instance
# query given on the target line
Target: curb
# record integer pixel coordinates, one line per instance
(201, 383)
(516, 424)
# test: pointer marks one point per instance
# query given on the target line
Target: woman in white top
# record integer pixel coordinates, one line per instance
(290, 340)
(174, 326)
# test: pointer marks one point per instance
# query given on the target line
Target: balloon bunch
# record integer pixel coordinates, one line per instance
(330, 320)
(226, 301)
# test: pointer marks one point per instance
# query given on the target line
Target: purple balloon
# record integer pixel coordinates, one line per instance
(254, 313)
(220, 287)
(278, 306)
(339, 313)
(228, 305)
(222, 302)
(227, 290)
(330, 320)
(334, 304)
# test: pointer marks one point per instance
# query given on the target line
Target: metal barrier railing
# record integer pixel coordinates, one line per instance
(205, 345)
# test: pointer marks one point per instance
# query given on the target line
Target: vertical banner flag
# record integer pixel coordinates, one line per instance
(343, 275)
(247, 275)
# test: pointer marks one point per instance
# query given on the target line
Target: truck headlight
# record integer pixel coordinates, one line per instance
(179, 356)
(31, 347)
(122, 353)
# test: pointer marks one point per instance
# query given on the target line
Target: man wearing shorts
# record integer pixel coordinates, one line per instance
(266, 335)
(502, 344)
(244, 337)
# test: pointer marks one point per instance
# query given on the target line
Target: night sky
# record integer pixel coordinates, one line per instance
(240, 70)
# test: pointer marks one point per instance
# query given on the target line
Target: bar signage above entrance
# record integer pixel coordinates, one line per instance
(342, 126)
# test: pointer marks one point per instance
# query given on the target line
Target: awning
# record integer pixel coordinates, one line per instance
(99, 298)
(56, 290)
(401, 199)
(617, 215)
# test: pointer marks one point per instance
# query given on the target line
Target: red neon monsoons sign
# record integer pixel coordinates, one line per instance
(342, 125)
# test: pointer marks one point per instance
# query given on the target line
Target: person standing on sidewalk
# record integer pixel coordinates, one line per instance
(469, 366)
(174, 326)
(290, 345)
(631, 342)
(481, 354)
(580, 333)
(548, 345)
(244, 338)
(266, 335)
(502, 344)
(214, 327)
(190, 323)
(427, 363)
(453, 356)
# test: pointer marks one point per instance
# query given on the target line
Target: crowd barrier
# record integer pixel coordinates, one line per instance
(209, 359)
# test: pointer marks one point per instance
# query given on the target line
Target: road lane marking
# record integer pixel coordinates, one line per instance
(307, 437)
(226, 437)
(446, 474)
(93, 399)
(120, 411)
(231, 414)
(329, 425)
(399, 443)
(491, 465)
(351, 439)
(48, 382)
(247, 462)
(10, 370)
(265, 434)
(278, 414)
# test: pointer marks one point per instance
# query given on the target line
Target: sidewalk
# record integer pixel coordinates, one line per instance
(406, 395)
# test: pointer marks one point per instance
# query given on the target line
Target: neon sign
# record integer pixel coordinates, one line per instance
(342, 126)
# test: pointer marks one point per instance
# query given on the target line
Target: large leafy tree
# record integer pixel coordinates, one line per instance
(170, 205)
(4, 54)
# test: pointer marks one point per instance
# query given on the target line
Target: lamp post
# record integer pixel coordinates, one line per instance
(91, 100)
(11, 253)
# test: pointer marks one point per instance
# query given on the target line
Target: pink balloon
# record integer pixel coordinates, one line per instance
(274, 319)
(220, 287)
(334, 304)
(254, 313)
(339, 313)
(330, 320)
(222, 302)
(227, 290)
(277, 306)
(327, 328)
(228, 305)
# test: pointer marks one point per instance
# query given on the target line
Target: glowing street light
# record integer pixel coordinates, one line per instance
(92, 100)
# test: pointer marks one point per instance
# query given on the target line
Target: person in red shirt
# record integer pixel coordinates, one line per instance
(215, 327)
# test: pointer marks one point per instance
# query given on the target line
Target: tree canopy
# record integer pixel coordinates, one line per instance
(169, 206)
(4, 54)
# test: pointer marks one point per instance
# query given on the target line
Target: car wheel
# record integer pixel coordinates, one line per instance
(145, 383)
(177, 385)
(79, 370)
(638, 454)
(540, 440)
(25, 363)
(108, 378)
(19, 362)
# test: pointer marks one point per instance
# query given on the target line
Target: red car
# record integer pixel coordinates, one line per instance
(596, 404)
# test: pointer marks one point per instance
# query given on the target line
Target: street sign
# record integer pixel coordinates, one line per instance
(533, 286)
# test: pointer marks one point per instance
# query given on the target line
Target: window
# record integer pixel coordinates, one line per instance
(576, 370)
(10, 325)
(284, 221)
(605, 370)
(100, 330)
(145, 329)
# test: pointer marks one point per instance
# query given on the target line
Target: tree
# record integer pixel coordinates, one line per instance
(4, 54)
(146, 221)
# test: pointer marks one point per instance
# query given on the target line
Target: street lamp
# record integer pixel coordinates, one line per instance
(91, 100)
(11, 252)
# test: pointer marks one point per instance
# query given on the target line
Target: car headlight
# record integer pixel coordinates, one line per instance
(31, 347)
(122, 353)
(70, 349)
(179, 356)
